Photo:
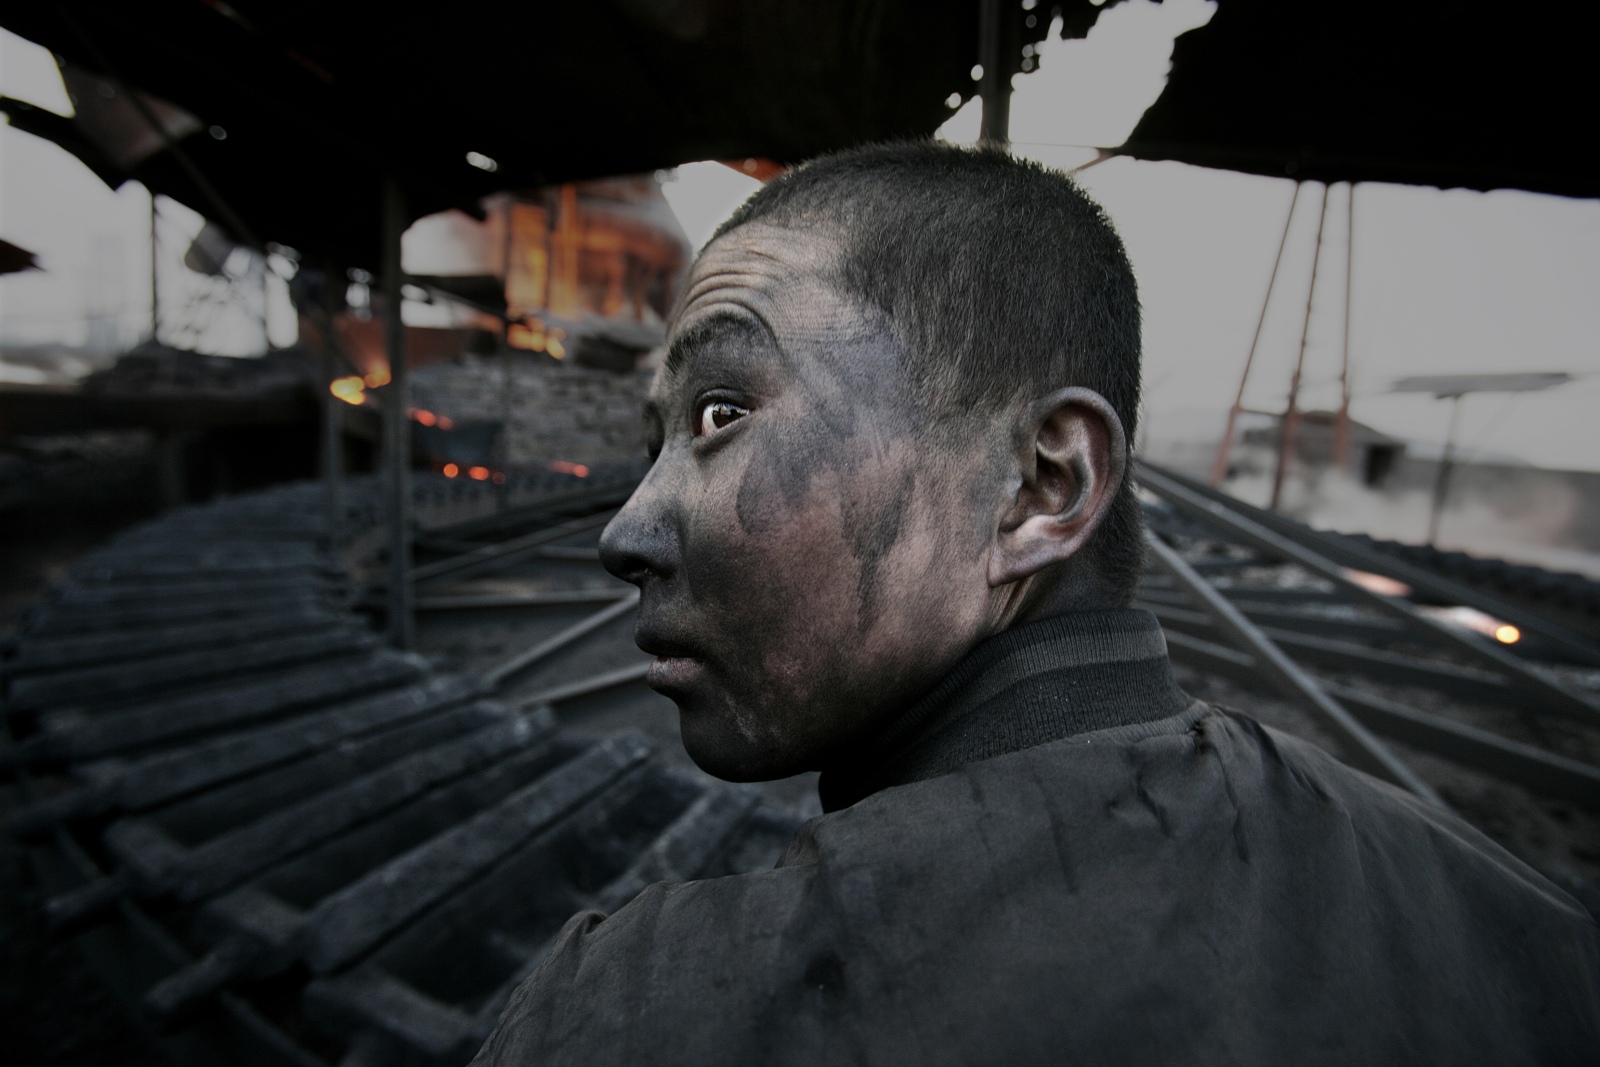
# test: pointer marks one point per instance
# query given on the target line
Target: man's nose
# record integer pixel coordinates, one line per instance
(641, 541)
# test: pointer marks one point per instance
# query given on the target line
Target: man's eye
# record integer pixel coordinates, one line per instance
(716, 415)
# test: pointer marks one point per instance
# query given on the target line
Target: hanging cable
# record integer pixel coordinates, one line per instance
(1219, 466)
(1291, 415)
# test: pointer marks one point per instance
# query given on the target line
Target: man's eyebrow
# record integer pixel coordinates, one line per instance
(717, 326)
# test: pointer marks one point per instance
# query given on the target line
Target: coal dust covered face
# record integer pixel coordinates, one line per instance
(809, 559)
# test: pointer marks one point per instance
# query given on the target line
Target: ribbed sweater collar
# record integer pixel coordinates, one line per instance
(1044, 681)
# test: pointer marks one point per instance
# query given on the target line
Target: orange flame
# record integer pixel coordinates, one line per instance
(478, 474)
(531, 336)
(451, 470)
(561, 466)
(351, 390)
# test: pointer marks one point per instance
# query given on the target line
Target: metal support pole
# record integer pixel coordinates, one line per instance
(1363, 749)
(1341, 423)
(266, 325)
(1441, 483)
(502, 444)
(332, 412)
(155, 291)
(1219, 466)
(396, 426)
(994, 88)
(1291, 415)
(171, 474)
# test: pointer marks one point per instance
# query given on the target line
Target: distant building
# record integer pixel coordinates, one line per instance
(585, 271)
(1371, 456)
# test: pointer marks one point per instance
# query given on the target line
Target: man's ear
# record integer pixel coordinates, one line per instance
(1073, 458)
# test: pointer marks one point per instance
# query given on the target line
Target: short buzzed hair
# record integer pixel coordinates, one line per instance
(999, 277)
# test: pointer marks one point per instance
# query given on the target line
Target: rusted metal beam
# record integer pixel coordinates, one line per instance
(1555, 698)
(504, 554)
(1542, 772)
(598, 683)
(1340, 550)
(1362, 748)
(130, 785)
(46, 654)
(542, 599)
(72, 735)
(1381, 664)
(501, 673)
(120, 682)
(553, 507)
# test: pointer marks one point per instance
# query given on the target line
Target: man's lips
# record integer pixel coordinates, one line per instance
(659, 644)
(676, 665)
(668, 674)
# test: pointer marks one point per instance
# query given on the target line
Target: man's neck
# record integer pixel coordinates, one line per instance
(1057, 677)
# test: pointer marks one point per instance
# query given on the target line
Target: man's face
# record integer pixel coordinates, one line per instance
(808, 563)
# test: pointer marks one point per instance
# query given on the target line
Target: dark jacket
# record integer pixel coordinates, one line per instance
(1057, 857)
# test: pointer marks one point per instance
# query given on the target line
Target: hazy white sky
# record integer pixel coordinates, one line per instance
(1445, 281)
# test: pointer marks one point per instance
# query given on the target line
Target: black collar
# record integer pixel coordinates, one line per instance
(1055, 678)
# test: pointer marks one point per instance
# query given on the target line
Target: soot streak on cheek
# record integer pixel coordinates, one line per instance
(828, 436)
(872, 527)
(789, 458)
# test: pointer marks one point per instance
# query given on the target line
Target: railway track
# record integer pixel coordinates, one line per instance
(286, 843)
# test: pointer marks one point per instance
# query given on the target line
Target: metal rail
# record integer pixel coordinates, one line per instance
(1341, 550)
(498, 675)
(1532, 768)
(1556, 698)
(538, 513)
(503, 554)
(1361, 747)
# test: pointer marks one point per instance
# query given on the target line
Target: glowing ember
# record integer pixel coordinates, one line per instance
(426, 418)
(1465, 618)
(529, 338)
(351, 390)
(561, 466)
(451, 470)
(378, 378)
(1377, 583)
(478, 474)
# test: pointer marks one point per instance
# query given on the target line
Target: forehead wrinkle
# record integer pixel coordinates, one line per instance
(710, 283)
(757, 257)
